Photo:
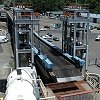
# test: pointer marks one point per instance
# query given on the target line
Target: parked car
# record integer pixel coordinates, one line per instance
(56, 25)
(97, 38)
(98, 28)
(43, 29)
(52, 17)
(47, 27)
(49, 34)
(50, 40)
(46, 37)
(3, 39)
(55, 38)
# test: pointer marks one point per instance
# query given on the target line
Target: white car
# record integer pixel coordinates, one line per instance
(97, 38)
(3, 39)
(0, 29)
(52, 17)
(43, 29)
(46, 37)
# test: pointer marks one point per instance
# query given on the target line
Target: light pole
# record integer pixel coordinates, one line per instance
(76, 2)
(14, 3)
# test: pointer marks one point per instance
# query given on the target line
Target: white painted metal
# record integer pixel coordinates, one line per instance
(20, 87)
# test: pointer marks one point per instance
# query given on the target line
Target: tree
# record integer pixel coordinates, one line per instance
(48, 5)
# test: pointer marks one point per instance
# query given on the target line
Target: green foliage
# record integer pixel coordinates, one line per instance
(1, 1)
(47, 5)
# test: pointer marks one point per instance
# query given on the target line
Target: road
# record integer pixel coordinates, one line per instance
(5, 54)
(94, 46)
(55, 32)
(94, 52)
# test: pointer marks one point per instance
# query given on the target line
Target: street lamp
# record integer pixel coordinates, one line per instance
(76, 2)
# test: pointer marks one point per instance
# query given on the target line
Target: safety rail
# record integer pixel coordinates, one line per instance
(42, 87)
(44, 91)
(86, 95)
(48, 98)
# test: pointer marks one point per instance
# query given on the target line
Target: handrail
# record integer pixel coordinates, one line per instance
(79, 93)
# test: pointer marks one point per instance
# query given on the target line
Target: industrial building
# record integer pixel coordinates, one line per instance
(50, 73)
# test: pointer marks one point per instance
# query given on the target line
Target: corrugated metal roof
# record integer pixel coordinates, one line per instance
(92, 15)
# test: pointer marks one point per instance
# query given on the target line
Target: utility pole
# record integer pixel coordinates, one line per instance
(14, 3)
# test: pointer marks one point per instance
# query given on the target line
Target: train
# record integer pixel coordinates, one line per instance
(43, 60)
(78, 62)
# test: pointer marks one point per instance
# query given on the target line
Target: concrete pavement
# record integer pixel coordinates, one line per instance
(94, 69)
(5, 57)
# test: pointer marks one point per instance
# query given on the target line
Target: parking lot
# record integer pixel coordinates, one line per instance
(45, 21)
(94, 46)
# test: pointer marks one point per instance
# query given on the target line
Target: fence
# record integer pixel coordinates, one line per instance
(94, 61)
(87, 95)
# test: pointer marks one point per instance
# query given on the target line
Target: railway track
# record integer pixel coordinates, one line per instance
(62, 67)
